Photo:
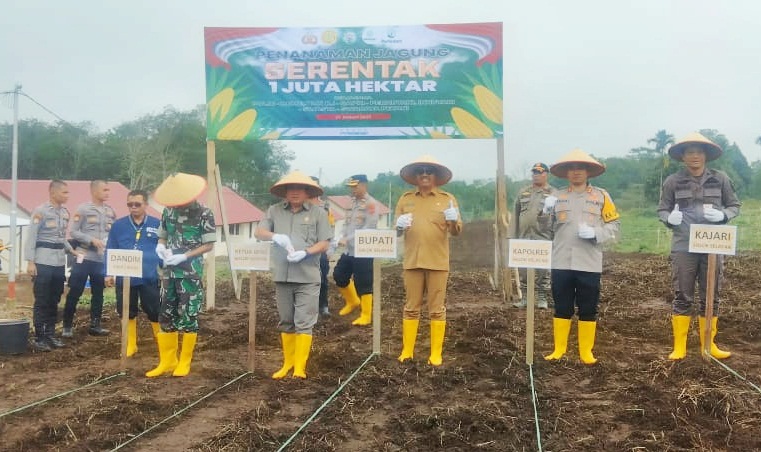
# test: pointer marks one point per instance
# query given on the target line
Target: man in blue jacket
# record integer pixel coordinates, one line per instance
(137, 231)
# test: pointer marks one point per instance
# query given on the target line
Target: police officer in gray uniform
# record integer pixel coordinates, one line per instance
(45, 251)
(90, 227)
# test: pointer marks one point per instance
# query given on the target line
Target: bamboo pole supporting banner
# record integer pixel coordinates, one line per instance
(710, 288)
(530, 280)
(225, 228)
(211, 196)
(501, 214)
(251, 320)
(376, 306)
(125, 322)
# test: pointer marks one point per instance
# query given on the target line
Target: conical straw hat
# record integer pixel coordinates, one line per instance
(712, 150)
(296, 178)
(594, 168)
(443, 174)
(179, 189)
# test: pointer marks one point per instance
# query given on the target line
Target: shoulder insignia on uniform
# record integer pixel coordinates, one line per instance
(76, 217)
(371, 208)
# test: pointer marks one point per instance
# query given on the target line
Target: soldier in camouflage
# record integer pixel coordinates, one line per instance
(187, 231)
(45, 250)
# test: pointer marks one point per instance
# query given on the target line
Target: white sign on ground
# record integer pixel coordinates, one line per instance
(125, 263)
(250, 256)
(530, 253)
(713, 239)
(378, 243)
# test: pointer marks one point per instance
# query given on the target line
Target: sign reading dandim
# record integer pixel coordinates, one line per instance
(125, 263)
(250, 256)
(713, 239)
(530, 253)
(379, 243)
(354, 82)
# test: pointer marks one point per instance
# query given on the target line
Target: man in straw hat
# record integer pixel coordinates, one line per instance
(583, 217)
(694, 195)
(530, 222)
(427, 216)
(354, 275)
(186, 231)
(301, 233)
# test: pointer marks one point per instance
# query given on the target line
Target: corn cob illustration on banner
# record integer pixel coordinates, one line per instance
(354, 82)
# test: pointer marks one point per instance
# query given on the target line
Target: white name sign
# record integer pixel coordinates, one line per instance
(250, 256)
(530, 253)
(380, 243)
(125, 263)
(713, 239)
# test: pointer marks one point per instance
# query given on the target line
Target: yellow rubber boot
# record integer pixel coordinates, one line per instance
(156, 330)
(289, 351)
(131, 337)
(366, 315)
(186, 355)
(681, 325)
(409, 335)
(587, 341)
(716, 352)
(167, 354)
(437, 341)
(351, 299)
(303, 347)
(561, 328)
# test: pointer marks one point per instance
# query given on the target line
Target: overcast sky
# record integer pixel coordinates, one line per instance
(600, 75)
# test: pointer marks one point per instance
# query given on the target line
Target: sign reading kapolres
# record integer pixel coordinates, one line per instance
(419, 81)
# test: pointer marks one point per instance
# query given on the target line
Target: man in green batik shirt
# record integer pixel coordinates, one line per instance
(187, 231)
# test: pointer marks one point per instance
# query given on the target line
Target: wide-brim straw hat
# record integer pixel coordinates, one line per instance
(712, 150)
(179, 189)
(443, 174)
(594, 168)
(296, 178)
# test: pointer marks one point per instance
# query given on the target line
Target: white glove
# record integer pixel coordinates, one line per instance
(451, 213)
(176, 259)
(296, 256)
(161, 250)
(675, 217)
(586, 231)
(549, 204)
(713, 215)
(404, 221)
(284, 242)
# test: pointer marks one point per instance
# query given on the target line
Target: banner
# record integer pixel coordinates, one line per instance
(417, 81)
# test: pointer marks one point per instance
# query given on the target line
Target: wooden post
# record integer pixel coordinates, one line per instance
(225, 228)
(251, 319)
(501, 214)
(710, 288)
(211, 264)
(376, 306)
(125, 321)
(530, 279)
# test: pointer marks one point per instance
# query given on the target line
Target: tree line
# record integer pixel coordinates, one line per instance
(142, 152)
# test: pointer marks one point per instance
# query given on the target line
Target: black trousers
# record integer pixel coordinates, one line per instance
(77, 281)
(47, 289)
(361, 268)
(324, 269)
(147, 294)
(576, 289)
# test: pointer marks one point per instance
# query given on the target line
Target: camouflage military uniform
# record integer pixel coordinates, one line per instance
(184, 228)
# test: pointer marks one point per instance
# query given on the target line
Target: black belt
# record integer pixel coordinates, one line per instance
(52, 246)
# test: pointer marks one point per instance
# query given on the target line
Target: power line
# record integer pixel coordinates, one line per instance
(44, 107)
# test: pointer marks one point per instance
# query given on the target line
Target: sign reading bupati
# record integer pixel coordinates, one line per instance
(416, 81)
(125, 263)
(713, 239)
(380, 243)
(530, 253)
(250, 256)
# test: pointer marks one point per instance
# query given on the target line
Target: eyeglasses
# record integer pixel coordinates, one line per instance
(419, 171)
(134, 204)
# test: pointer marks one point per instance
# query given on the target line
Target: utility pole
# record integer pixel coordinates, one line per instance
(14, 201)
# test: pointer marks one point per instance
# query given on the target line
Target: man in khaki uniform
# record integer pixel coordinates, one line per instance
(584, 218)
(427, 216)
